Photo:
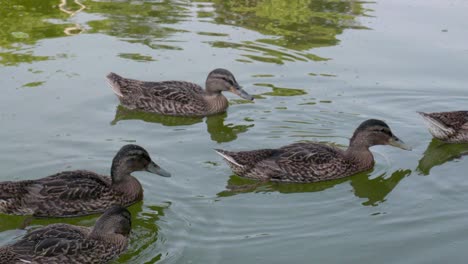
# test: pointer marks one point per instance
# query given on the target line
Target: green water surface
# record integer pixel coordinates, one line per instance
(316, 68)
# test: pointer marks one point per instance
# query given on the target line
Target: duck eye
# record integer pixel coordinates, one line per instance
(229, 81)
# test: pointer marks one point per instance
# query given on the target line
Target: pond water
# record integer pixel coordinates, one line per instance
(317, 69)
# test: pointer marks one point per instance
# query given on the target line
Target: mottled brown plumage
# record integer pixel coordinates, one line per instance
(64, 243)
(80, 192)
(177, 98)
(451, 127)
(313, 162)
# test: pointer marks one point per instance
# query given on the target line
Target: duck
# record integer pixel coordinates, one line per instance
(65, 243)
(307, 162)
(80, 192)
(449, 127)
(177, 98)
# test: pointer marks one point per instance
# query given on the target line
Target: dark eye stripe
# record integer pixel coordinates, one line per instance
(385, 131)
(231, 82)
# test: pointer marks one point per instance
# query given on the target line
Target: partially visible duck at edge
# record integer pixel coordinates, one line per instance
(177, 98)
(64, 243)
(314, 162)
(450, 127)
(80, 192)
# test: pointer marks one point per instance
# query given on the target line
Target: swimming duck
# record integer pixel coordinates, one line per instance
(80, 192)
(177, 98)
(451, 127)
(64, 243)
(313, 162)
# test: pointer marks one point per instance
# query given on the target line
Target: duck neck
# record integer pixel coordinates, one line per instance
(125, 183)
(119, 172)
(358, 152)
(216, 102)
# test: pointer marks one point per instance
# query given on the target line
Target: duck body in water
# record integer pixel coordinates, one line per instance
(177, 98)
(80, 192)
(64, 243)
(450, 127)
(313, 162)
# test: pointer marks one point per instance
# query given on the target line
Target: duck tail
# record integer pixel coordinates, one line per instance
(114, 80)
(228, 157)
(435, 126)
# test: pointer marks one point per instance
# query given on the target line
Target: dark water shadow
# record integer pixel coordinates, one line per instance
(123, 113)
(374, 190)
(221, 132)
(216, 127)
(438, 153)
(11, 222)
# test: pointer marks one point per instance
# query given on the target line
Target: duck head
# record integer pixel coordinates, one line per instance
(115, 220)
(220, 80)
(132, 158)
(376, 132)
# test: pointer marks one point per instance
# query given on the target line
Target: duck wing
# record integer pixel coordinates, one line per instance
(47, 240)
(54, 242)
(299, 162)
(168, 97)
(309, 162)
(244, 163)
(72, 193)
(70, 186)
(182, 92)
(68, 193)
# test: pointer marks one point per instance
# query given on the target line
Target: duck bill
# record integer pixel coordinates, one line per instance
(241, 92)
(154, 168)
(396, 142)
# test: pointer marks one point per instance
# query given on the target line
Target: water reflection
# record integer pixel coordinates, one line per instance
(374, 190)
(281, 91)
(10, 222)
(25, 22)
(123, 113)
(136, 57)
(298, 25)
(438, 152)
(291, 28)
(218, 131)
(69, 8)
(221, 132)
(145, 22)
(144, 234)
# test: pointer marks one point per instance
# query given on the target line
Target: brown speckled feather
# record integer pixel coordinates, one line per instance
(167, 97)
(299, 162)
(69, 193)
(64, 243)
(450, 127)
(80, 192)
(313, 162)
